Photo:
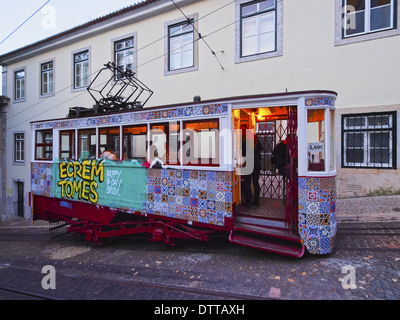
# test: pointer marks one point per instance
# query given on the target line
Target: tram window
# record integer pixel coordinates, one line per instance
(316, 140)
(67, 145)
(44, 145)
(109, 143)
(332, 140)
(164, 139)
(86, 144)
(135, 142)
(201, 143)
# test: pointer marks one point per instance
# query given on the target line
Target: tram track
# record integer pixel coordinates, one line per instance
(108, 273)
(22, 294)
(376, 237)
(344, 236)
(192, 293)
(375, 231)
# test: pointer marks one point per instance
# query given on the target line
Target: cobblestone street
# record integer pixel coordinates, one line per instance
(364, 266)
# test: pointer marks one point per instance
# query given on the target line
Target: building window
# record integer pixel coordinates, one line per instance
(19, 146)
(46, 84)
(367, 16)
(259, 35)
(181, 46)
(362, 20)
(369, 140)
(258, 27)
(20, 85)
(123, 55)
(44, 145)
(81, 69)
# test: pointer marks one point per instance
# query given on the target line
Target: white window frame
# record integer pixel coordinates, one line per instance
(239, 58)
(256, 18)
(340, 24)
(47, 86)
(126, 52)
(20, 93)
(19, 148)
(167, 26)
(74, 66)
(367, 18)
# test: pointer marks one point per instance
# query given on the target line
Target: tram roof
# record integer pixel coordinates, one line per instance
(283, 96)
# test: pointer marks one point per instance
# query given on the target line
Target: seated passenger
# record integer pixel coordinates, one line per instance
(109, 154)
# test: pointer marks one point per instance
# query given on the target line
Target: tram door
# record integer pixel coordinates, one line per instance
(240, 117)
(292, 189)
(271, 131)
(236, 156)
(279, 192)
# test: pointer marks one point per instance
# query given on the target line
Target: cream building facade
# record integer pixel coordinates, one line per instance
(230, 48)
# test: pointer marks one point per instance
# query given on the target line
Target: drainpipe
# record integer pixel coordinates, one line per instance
(3, 132)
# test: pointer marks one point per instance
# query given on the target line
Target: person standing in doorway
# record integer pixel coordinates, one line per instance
(279, 156)
(255, 175)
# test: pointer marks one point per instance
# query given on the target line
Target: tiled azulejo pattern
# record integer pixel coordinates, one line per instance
(41, 179)
(317, 102)
(193, 195)
(317, 215)
(131, 118)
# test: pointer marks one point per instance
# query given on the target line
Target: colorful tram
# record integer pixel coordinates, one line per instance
(178, 172)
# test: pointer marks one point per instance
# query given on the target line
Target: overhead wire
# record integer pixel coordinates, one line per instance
(149, 61)
(95, 72)
(202, 17)
(199, 34)
(24, 22)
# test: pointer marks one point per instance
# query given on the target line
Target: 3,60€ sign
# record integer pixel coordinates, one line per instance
(316, 147)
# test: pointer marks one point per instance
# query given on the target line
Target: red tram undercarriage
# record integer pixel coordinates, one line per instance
(97, 223)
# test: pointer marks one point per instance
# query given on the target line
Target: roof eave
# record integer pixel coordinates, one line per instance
(138, 12)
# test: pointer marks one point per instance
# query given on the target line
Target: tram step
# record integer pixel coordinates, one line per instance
(270, 245)
(266, 231)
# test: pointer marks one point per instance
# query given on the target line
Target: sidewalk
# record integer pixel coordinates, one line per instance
(368, 209)
(365, 209)
(20, 222)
